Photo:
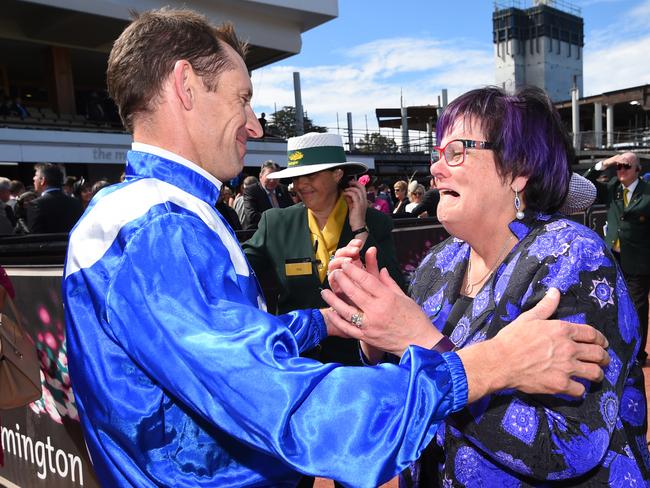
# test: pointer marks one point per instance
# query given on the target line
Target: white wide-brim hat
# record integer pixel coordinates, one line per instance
(315, 152)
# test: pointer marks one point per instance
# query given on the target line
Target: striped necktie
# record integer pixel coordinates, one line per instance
(274, 199)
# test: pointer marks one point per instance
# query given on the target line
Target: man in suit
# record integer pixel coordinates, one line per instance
(628, 227)
(238, 204)
(266, 194)
(53, 211)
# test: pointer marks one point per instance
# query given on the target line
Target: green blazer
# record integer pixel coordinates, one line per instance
(631, 224)
(283, 237)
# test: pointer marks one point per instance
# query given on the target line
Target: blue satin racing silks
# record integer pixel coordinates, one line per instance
(181, 377)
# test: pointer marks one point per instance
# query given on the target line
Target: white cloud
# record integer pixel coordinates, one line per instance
(616, 57)
(631, 24)
(622, 65)
(372, 75)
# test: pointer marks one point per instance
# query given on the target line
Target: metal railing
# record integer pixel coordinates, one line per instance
(590, 140)
(421, 142)
(418, 141)
(563, 5)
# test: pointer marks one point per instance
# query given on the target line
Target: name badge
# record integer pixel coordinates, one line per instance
(298, 267)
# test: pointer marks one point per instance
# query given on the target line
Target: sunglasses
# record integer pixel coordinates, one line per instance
(622, 166)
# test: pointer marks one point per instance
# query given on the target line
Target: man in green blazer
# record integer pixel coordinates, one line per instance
(292, 241)
(628, 227)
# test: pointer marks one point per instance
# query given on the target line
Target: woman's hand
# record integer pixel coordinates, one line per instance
(348, 254)
(351, 254)
(355, 196)
(386, 318)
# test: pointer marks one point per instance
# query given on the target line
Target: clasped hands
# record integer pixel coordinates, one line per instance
(533, 353)
(366, 304)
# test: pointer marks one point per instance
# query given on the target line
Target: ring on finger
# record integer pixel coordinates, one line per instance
(357, 319)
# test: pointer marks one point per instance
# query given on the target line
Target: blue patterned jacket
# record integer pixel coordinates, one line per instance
(515, 439)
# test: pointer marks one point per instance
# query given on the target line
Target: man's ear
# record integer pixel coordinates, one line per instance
(183, 75)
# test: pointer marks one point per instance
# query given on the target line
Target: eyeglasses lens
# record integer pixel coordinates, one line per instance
(454, 153)
(620, 167)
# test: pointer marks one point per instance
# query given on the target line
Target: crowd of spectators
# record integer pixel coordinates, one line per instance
(25, 210)
(251, 196)
(54, 202)
(51, 204)
(32, 209)
(12, 107)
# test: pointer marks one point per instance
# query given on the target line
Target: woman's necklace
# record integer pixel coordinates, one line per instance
(469, 287)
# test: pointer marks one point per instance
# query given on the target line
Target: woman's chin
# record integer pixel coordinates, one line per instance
(451, 222)
(443, 218)
(448, 214)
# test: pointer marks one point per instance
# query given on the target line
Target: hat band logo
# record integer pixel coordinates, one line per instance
(295, 157)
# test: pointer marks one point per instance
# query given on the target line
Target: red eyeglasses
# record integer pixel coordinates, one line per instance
(454, 151)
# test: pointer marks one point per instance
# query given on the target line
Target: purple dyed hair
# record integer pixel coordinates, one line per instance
(528, 139)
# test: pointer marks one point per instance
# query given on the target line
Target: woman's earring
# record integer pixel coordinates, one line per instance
(520, 213)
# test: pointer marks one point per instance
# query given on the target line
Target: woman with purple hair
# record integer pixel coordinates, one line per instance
(503, 172)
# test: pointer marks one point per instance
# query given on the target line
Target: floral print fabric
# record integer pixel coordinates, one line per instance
(519, 440)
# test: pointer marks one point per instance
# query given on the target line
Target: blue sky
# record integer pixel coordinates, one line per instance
(376, 49)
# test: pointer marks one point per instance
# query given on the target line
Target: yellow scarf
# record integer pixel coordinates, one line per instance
(326, 239)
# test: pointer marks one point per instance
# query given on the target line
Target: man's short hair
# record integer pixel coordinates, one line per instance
(269, 167)
(250, 181)
(145, 53)
(5, 183)
(52, 174)
(17, 187)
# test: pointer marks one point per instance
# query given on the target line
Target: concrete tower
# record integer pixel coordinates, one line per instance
(540, 45)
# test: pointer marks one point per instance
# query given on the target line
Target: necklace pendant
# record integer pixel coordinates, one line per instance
(469, 286)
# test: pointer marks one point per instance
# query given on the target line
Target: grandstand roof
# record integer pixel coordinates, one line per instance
(273, 27)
